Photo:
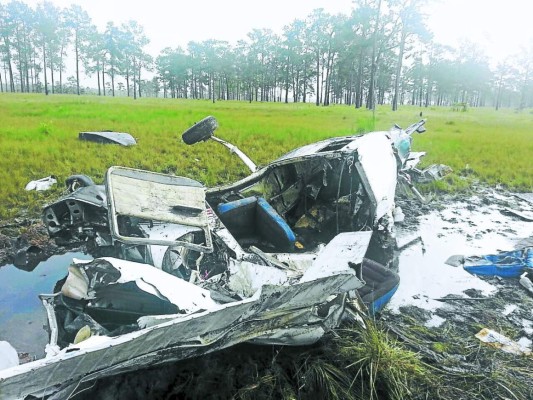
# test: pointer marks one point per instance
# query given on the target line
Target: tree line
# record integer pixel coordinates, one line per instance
(381, 53)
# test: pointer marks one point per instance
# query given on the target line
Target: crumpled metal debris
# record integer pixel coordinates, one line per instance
(507, 264)
(434, 172)
(526, 280)
(108, 137)
(41, 184)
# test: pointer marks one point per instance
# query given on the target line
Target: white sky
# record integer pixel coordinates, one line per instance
(499, 27)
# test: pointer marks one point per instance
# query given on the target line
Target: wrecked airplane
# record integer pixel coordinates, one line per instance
(278, 257)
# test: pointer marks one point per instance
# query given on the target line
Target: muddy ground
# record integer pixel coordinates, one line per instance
(436, 313)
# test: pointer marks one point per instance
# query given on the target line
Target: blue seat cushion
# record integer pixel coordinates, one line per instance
(254, 219)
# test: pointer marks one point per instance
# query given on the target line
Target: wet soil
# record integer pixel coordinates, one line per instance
(439, 308)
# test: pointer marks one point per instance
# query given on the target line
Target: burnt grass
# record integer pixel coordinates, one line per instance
(444, 362)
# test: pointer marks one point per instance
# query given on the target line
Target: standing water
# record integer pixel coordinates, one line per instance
(468, 227)
(23, 319)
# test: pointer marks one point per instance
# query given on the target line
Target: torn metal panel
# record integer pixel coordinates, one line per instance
(107, 137)
(414, 159)
(78, 215)
(156, 197)
(41, 184)
(259, 317)
(378, 166)
(344, 251)
(434, 172)
(86, 278)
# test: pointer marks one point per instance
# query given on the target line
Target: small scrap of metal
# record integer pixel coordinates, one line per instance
(410, 243)
(526, 280)
(108, 137)
(41, 184)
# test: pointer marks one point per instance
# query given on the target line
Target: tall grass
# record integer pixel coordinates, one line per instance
(39, 137)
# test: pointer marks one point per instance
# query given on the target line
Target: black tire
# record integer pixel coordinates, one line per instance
(73, 182)
(200, 131)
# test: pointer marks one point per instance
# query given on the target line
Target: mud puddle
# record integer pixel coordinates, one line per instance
(22, 316)
(460, 228)
(438, 309)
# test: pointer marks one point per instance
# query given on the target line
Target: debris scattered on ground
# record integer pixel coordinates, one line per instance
(526, 280)
(41, 184)
(499, 341)
(108, 137)
(508, 264)
(434, 172)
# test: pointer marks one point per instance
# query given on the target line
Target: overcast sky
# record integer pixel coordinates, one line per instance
(499, 27)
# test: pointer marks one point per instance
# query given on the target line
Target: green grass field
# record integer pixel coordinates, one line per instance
(39, 137)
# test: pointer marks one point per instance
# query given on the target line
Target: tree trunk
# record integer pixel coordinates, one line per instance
(26, 63)
(399, 71)
(524, 90)
(296, 87)
(10, 68)
(359, 81)
(61, 67)
(139, 83)
(371, 101)
(317, 78)
(21, 75)
(98, 75)
(52, 73)
(329, 66)
(44, 70)
(112, 78)
(61, 73)
(78, 64)
(103, 76)
(227, 86)
(134, 87)
(287, 81)
(304, 84)
(128, 83)
(499, 95)
(213, 89)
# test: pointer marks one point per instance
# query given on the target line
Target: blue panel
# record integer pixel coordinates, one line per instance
(232, 205)
(505, 271)
(291, 237)
(528, 256)
(508, 264)
(378, 304)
